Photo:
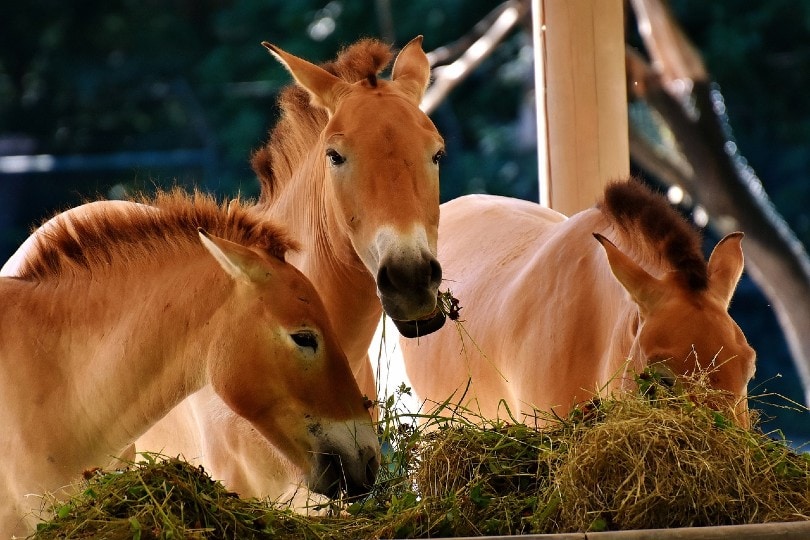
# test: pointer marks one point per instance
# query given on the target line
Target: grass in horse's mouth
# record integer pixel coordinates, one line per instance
(447, 307)
(653, 460)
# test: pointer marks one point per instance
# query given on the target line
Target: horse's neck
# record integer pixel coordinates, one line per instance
(621, 358)
(608, 304)
(329, 260)
(127, 353)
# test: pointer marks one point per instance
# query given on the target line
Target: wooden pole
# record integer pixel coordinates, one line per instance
(581, 100)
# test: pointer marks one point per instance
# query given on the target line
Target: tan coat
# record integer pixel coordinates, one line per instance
(551, 317)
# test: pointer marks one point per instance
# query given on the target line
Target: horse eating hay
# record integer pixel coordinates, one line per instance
(555, 317)
(123, 313)
(352, 170)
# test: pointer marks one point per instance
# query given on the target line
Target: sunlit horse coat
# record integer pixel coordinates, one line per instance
(556, 310)
(352, 170)
(123, 313)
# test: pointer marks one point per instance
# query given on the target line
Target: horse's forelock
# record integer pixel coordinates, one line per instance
(361, 60)
(631, 203)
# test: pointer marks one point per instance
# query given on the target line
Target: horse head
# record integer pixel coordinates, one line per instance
(687, 330)
(380, 154)
(284, 371)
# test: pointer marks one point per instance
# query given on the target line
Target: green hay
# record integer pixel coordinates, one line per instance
(656, 459)
(160, 498)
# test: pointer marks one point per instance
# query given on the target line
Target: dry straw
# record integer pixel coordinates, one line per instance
(649, 460)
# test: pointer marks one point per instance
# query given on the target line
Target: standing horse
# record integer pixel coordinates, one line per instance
(352, 170)
(119, 315)
(554, 317)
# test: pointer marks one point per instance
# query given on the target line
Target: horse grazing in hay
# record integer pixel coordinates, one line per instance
(122, 314)
(352, 170)
(554, 316)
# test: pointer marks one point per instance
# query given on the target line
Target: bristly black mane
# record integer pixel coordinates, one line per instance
(634, 207)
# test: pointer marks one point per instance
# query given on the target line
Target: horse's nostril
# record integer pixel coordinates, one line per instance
(384, 279)
(372, 468)
(435, 272)
(412, 276)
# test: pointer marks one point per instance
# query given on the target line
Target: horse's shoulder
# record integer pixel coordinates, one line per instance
(485, 239)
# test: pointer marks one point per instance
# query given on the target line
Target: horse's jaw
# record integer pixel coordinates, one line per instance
(421, 327)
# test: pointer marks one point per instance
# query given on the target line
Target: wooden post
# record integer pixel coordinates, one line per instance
(581, 100)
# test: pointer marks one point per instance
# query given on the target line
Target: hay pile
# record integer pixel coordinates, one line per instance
(654, 460)
(629, 464)
(159, 498)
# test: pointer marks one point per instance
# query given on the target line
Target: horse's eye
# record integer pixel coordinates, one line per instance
(305, 340)
(437, 157)
(334, 157)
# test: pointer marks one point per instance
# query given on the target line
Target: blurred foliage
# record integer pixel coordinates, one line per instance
(759, 53)
(95, 77)
(131, 76)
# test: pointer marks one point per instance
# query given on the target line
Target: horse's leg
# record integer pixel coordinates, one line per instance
(10, 511)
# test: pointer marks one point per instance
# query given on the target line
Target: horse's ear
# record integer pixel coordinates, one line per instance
(726, 266)
(323, 87)
(644, 289)
(412, 69)
(238, 261)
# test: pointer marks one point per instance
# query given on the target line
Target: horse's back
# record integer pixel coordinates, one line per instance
(486, 245)
(482, 235)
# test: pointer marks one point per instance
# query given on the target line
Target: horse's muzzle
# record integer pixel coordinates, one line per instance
(421, 327)
(333, 479)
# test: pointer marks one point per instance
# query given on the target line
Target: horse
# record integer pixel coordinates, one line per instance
(352, 170)
(561, 310)
(121, 314)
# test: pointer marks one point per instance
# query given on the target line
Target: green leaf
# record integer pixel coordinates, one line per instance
(720, 421)
(64, 511)
(135, 527)
(478, 497)
(598, 525)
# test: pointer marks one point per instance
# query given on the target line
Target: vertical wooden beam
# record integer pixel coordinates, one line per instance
(581, 100)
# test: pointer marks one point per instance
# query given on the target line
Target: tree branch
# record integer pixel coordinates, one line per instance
(447, 77)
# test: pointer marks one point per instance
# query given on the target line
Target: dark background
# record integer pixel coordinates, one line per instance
(126, 95)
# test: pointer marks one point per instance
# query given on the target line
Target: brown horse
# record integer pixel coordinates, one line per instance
(119, 315)
(352, 170)
(554, 317)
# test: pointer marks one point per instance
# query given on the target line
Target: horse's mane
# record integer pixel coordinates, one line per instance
(300, 123)
(634, 207)
(165, 224)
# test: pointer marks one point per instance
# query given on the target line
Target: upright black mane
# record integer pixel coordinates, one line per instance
(634, 207)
